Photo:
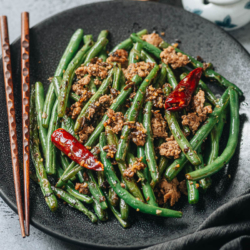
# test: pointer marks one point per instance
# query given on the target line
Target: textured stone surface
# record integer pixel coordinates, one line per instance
(39, 10)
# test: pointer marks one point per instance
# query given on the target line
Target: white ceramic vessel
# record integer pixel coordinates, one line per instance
(228, 14)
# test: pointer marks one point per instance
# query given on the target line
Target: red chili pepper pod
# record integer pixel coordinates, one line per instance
(75, 150)
(182, 94)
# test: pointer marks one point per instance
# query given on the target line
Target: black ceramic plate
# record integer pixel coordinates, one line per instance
(198, 37)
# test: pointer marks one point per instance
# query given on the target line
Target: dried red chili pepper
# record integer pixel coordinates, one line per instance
(75, 150)
(182, 94)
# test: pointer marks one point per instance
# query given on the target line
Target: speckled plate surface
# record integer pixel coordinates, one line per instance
(198, 37)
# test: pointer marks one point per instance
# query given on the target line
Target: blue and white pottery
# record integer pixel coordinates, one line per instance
(228, 14)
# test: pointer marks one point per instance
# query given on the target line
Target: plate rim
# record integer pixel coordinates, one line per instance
(57, 235)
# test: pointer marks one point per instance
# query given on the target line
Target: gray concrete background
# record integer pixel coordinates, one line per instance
(39, 10)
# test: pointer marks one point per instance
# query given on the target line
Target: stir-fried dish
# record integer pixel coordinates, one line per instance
(130, 127)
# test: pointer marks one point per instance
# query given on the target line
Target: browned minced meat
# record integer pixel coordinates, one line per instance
(198, 105)
(155, 95)
(96, 68)
(97, 82)
(138, 134)
(96, 151)
(114, 93)
(111, 150)
(141, 68)
(170, 148)
(132, 169)
(82, 188)
(169, 56)
(85, 80)
(81, 90)
(74, 110)
(99, 106)
(165, 191)
(158, 125)
(115, 121)
(85, 132)
(119, 56)
(153, 38)
(194, 119)
(183, 187)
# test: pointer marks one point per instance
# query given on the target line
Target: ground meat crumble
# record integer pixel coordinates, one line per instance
(153, 38)
(111, 151)
(138, 134)
(155, 95)
(194, 119)
(158, 125)
(82, 188)
(85, 132)
(119, 56)
(115, 121)
(170, 148)
(132, 169)
(96, 68)
(165, 191)
(141, 68)
(177, 60)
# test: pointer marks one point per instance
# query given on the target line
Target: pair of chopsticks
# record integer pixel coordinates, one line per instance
(25, 81)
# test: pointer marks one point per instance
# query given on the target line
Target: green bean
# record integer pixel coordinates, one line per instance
(60, 182)
(124, 207)
(135, 53)
(209, 94)
(84, 112)
(96, 49)
(208, 72)
(113, 198)
(63, 64)
(95, 190)
(70, 174)
(87, 38)
(130, 182)
(127, 44)
(48, 106)
(68, 77)
(101, 214)
(192, 188)
(120, 100)
(198, 138)
(115, 183)
(148, 191)
(176, 131)
(57, 81)
(37, 158)
(149, 145)
(215, 136)
(100, 179)
(74, 97)
(72, 201)
(161, 79)
(50, 149)
(133, 113)
(205, 183)
(39, 100)
(146, 57)
(124, 223)
(71, 189)
(147, 46)
(103, 54)
(117, 77)
(232, 143)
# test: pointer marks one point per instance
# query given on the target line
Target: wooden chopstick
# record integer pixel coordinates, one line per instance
(11, 116)
(25, 82)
